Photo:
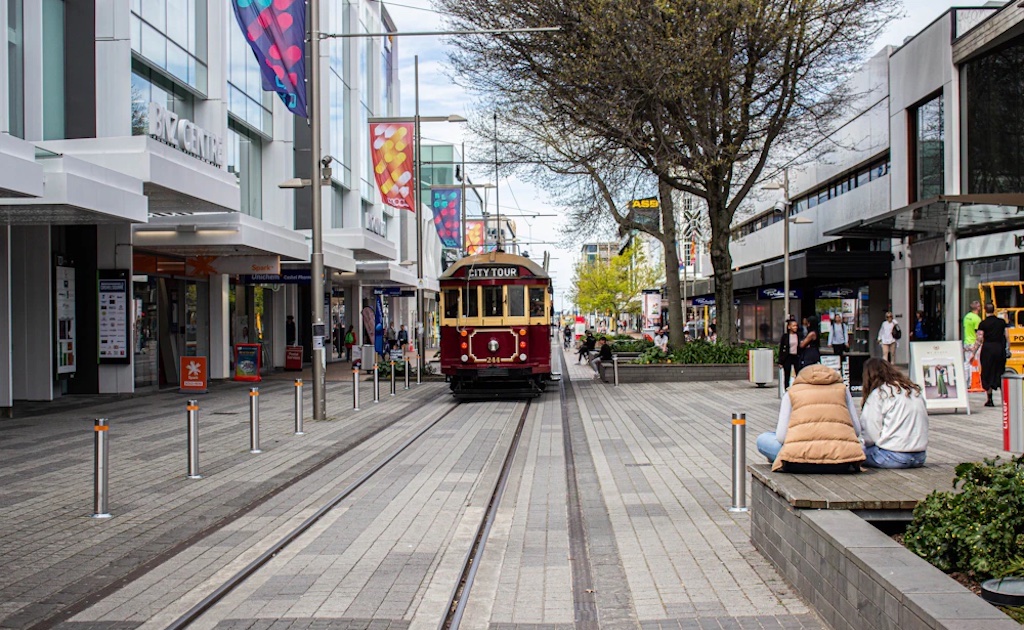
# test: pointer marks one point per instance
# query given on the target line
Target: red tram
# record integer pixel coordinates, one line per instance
(495, 326)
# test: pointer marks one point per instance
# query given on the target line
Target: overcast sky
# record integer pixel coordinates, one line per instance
(439, 96)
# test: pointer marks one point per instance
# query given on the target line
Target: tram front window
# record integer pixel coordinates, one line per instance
(470, 302)
(516, 301)
(451, 303)
(492, 302)
(536, 301)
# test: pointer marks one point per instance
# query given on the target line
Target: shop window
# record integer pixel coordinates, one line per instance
(451, 303)
(16, 67)
(516, 301)
(995, 127)
(470, 302)
(929, 149)
(492, 301)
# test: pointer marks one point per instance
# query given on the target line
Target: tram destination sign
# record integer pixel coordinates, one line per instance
(493, 272)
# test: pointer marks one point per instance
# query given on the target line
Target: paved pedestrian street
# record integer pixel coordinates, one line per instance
(613, 512)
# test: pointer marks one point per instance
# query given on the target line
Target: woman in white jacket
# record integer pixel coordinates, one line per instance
(893, 418)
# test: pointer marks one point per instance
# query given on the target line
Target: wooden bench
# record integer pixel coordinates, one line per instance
(873, 489)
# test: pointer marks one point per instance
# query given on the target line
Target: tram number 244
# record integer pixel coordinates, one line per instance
(494, 359)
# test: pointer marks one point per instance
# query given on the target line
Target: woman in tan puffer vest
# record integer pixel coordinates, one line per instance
(818, 427)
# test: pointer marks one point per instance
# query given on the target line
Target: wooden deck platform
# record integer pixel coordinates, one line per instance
(872, 489)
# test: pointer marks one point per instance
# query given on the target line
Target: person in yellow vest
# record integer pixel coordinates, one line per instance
(818, 429)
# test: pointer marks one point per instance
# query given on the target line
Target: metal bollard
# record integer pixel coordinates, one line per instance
(739, 463)
(355, 389)
(101, 469)
(254, 420)
(392, 378)
(192, 429)
(376, 384)
(406, 373)
(298, 407)
(419, 368)
(615, 368)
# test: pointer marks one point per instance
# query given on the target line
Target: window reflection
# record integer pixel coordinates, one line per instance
(995, 127)
(930, 142)
(170, 34)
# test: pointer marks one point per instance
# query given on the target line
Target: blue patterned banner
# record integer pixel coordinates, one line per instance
(276, 32)
(446, 202)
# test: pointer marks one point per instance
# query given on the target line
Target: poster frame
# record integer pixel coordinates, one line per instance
(110, 275)
(249, 349)
(950, 354)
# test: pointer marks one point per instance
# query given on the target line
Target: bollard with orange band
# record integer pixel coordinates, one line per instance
(392, 378)
(101, 471)
(298, 407)
(254, 420)
(739, 463)
(192, 429)
(355, 389)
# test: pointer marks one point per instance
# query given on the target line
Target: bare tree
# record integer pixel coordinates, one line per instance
(697, 92)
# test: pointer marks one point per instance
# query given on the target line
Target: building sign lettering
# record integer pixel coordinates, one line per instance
(493, 272)
(185, 135)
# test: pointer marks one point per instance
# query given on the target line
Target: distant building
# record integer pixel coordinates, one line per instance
(602, 252)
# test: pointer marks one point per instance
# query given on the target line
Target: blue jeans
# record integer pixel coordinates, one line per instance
(881, 458)
(768, 446)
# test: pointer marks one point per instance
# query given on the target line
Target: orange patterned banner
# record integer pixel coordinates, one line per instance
(391, 153)
(474, 237)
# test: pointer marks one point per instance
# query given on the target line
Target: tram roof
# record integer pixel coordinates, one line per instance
(495, 259)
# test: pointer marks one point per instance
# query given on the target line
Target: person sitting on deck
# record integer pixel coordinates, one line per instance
(818, 427)
(894, 416)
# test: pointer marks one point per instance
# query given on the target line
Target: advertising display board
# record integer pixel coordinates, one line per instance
(65, 304)
(293, 357)
(247, 362)
(938, 368)
(114, 317)
(193, 377)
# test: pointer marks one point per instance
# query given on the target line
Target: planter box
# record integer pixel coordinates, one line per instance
(675, 372)
(856, 577)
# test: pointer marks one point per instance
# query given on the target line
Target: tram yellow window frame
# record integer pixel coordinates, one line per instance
(509, 316)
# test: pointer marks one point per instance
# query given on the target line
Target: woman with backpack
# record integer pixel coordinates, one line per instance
(350, 339)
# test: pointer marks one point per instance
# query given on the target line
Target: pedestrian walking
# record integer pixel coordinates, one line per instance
(811, 343)
(921, 327)
(350, 339)
(789, 352)
(567, 337)
(403, 336)
(289, 331)
(971, 322)
(888, 335)
(839, 337)
(893, 417)
(992, 331)
(338, 335)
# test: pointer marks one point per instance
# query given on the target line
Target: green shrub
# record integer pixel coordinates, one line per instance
(698, 353)
(980, 528)
(631, 345)
(651, 355)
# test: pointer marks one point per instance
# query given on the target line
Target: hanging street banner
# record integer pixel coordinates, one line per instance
(446, 202)
(232, 265)
(391, 153)
(475, 238)
(276, 32)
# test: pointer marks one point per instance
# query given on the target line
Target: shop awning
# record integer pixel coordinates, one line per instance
(20, 174)
(364, 244)
(963, 215)
(223, 234)
(76, 193)
(390, 273)
(174, 181)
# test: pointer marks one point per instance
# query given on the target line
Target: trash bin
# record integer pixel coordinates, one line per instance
(369, 355)
(761, 366)
(1013, 413)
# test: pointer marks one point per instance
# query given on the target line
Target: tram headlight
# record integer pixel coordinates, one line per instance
(464, 358)
(522, 357)
(492, 345)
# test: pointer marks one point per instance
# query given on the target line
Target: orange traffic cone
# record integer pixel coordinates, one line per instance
(976, 387)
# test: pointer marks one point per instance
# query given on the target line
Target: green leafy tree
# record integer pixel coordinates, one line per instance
(636, 273)
(697, 93)
(612, 288)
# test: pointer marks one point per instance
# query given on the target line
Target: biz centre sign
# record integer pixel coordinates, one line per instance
(185, 135)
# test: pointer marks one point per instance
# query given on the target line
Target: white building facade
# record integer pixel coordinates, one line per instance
(138, 146)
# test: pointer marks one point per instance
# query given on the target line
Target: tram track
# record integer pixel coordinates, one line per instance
(93, 596)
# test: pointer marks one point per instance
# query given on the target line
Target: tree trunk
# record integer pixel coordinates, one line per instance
(668, 242)
(721, 260)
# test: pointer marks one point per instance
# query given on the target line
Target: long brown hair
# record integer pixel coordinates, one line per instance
(878, 372)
